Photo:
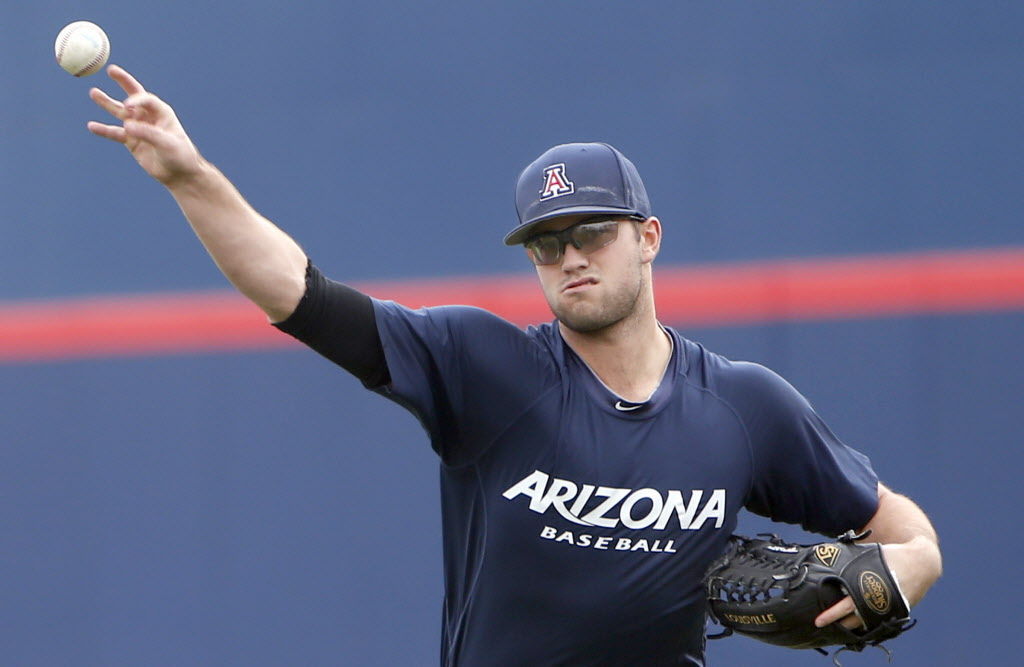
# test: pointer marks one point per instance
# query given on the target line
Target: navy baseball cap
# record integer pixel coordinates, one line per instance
(577, 179)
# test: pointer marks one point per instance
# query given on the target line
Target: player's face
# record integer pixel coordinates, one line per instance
(598, 277)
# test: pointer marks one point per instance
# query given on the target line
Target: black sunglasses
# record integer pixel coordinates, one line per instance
(586, 236)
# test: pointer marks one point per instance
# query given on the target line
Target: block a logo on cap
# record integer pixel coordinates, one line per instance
(556, 184)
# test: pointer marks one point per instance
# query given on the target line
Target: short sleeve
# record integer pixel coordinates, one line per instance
(465, 373)
(802, 472)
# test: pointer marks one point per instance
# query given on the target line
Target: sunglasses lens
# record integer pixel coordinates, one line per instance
(545, 249)
(587, 237)
(594, 236)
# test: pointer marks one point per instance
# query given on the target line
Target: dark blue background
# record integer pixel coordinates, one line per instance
(261, 508)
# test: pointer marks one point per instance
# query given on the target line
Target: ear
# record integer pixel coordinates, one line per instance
(650, 239)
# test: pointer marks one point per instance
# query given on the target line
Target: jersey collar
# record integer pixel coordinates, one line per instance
(611, 402)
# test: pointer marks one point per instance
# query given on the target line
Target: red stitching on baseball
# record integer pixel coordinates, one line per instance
(63, 45)
(100, 57)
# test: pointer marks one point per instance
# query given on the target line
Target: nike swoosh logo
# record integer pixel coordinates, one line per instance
(619, 405)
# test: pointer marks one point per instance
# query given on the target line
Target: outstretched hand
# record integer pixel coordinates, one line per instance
(149, 130)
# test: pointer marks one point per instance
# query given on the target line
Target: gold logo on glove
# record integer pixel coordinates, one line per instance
(751, 619)
(875, 592)
(827, 553)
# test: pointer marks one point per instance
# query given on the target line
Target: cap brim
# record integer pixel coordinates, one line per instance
(523, 231)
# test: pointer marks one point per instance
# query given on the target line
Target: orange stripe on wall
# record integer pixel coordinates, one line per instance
(701, 296)
(855, 287)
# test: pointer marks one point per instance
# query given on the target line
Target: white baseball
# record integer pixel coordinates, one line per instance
(82, 48)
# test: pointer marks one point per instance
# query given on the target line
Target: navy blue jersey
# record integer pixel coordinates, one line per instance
(577, 527)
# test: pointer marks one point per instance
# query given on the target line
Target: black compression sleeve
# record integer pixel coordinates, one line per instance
(338, 322)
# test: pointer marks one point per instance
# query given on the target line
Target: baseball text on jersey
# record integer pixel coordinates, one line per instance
(610, 543)
(555, 182)
(608, 507)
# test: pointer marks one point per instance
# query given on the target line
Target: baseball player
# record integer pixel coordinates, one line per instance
(592, 467)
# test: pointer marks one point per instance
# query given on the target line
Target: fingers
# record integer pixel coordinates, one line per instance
(107, 103)
(141, 105)
(843, 610)
(132, 129)
(112, 132)
(146, 132)
(127, 82)
(145, 105)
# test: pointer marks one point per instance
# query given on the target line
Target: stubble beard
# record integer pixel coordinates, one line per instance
(586, 317)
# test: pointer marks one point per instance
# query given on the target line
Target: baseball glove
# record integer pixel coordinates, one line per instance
(771, 590)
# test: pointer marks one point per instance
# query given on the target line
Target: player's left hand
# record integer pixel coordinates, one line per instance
(902, 560)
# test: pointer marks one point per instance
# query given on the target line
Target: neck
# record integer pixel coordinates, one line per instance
(629, 356)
